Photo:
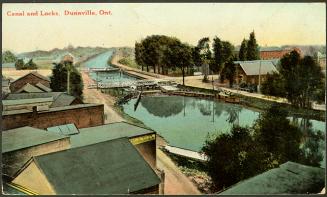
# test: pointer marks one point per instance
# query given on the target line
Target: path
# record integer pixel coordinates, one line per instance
(175, 181)
(95, 96)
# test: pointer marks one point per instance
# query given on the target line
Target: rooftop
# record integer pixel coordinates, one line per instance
(43, 87)
(29, 88)
(270, 49)
(95, 170)
(253, 67)
(35, 74)
(53, 109)
(288, 178)
(27, 101)
(106, 132)
(66, 129)
(24, 137)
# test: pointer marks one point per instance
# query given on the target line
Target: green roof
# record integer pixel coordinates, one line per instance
(29, 88)
(66, 129)
(26, 101)
(24, 137)
(256, 67)
(111, 167)
(92, 135)
(289, 178)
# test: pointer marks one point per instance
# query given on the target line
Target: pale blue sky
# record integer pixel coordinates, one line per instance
(274, 24)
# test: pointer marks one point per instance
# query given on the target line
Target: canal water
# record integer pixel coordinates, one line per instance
(101, 61)
(186, 122)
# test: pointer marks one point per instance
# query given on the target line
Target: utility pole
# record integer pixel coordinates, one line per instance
(259, 86)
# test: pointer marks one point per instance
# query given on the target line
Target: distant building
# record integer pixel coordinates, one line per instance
(82, 115)
(32, 78)
(248, 71)
(68, 58)
(288, 178)
(267, 53)
(19, 145)
(5, 87)
(110, 167)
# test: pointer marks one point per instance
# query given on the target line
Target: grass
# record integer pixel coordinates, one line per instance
(128, 61)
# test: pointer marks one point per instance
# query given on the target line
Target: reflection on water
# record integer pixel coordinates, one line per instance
(186, 122)
(101, 61)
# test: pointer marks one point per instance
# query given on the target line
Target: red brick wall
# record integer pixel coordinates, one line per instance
(31, 79)
(81, 117)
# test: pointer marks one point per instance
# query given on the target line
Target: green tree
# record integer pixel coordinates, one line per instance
(180, 55)
(30, 65)
(204, 54)
(218, 58)
(233, 157)
(19, 64)
(8, 57)
(302, 78)
(273, 85)
(139, 54)
(252, 51)
(58, 80)
(243, 51)
(229, 72)
(277, 135)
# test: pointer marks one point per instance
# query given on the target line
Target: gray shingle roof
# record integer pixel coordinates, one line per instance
(253, 67)
(23, 137)
(26, 101)
(63, 100)
(111, 167)
(270, 49)
(43, 87)
(28, 88)
(106, 132)
(289, 178)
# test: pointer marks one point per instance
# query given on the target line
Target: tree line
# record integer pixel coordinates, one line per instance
(163, 53)
(299, 79)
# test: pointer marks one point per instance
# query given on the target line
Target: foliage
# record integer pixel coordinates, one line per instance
(129, 62)
(273, 85)
(302, 77)
(8, 57)
(247, 151)
(58, 80)
(252, 51)
(138, 54)
(229, 72)
(30, 65)
(242, 54)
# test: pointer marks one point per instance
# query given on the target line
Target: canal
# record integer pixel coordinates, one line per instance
(102, 61)
(186, 122)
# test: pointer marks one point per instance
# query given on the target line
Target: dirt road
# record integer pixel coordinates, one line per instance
(175, 181)
(95, 96)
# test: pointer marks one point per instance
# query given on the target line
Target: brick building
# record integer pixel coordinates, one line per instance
(267, 53)
(82, 115)
(32, 78)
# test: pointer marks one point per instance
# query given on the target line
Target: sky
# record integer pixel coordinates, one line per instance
(275, 24)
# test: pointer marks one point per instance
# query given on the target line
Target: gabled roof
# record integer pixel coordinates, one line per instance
(26, 101)
(288, 178)
(60, 99)
(35, 74)
(253, 67)
(66, 129)
(43, 87)
(24, 137)
(28, 88)
(92, 135)
(111, 167)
